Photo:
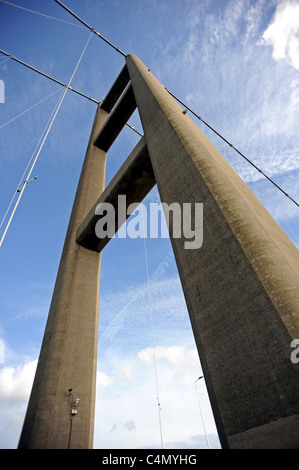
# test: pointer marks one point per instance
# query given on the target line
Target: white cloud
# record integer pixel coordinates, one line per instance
(127, 413)
(283, 33)
(15, 387)
(253, 18)
(234, 84)
(126, 404)
(129, 309)
(103, 380)
(16, 383)
(177, 356)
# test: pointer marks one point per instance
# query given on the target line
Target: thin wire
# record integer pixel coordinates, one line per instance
(280, 219)
(90, 28)
(28, 109)
(41, 14)
(21, 190)
(175, 97)
(100, 36)
(48, 76)
(5, 60)
(60, 83)
(287, 226)
(28, 164)
(153, 336)
(203, 423)
(295, 222)
(43, 141)
(187, 107)
(133, 129)
(232, 146)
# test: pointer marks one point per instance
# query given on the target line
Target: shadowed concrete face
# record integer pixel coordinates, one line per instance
(240, 287)
(134, 180)
(116, 90)
(116, 121)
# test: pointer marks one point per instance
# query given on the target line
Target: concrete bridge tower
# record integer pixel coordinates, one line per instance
(240, 286)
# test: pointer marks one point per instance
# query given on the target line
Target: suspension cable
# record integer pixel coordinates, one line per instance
(133, 129)
(232, 146)
(48, 76)
(41, 14)
(187, 107)
(18, 189)
(42, 143)
(175, 97)
(9, 56)
(4, 60)
(153, 336)
(28, 109)
(90, 28)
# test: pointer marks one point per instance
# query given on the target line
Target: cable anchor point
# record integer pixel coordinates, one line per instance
(26, 182)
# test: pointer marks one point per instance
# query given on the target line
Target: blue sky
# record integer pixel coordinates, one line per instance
(236, 63)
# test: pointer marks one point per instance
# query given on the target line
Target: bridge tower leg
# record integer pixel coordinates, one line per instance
(69, 350)
(241, 285)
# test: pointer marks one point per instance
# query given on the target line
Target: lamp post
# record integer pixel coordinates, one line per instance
(73, 411)
(203, 423)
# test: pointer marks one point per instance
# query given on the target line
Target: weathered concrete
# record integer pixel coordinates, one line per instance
(241, 286)
(135, 179)
(69, 349)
